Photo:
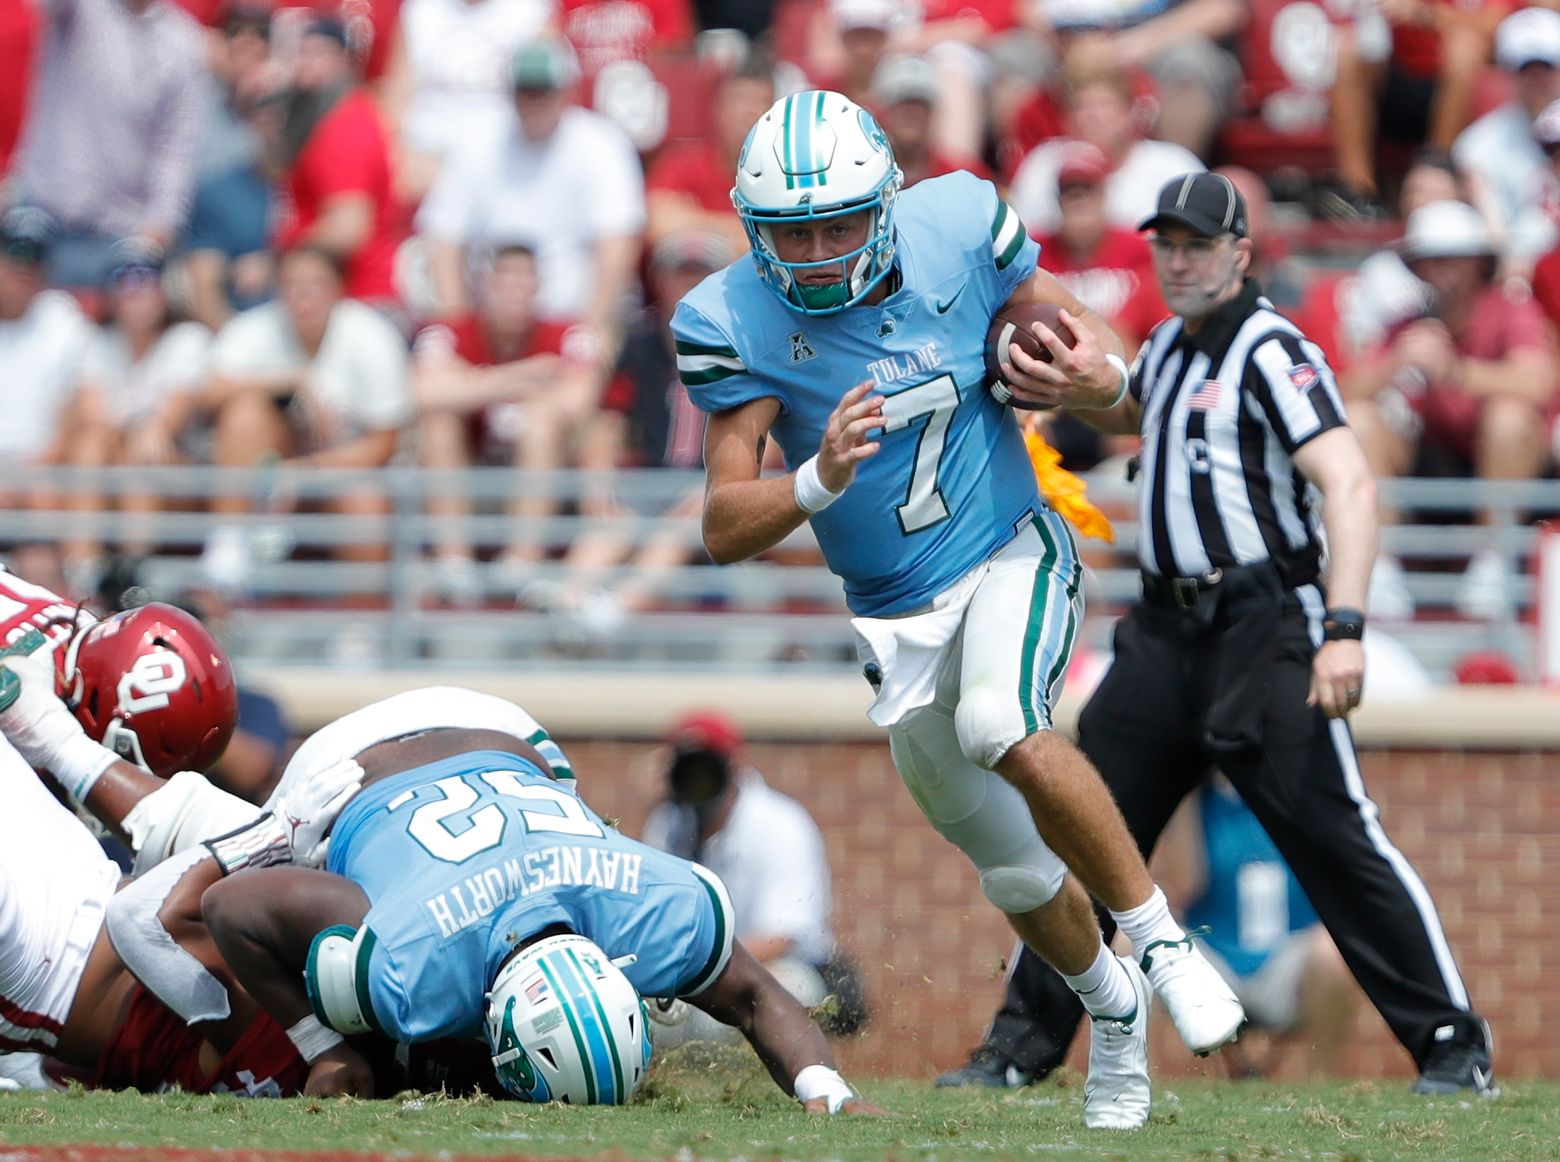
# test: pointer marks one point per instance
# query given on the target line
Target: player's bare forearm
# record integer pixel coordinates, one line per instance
(263, 922)
(116, 792)
(744, 518)
(786, 1039)
(1125, 419)
(744, 515)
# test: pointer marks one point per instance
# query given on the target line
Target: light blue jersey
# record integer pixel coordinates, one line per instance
(952, 483)
(464, 858)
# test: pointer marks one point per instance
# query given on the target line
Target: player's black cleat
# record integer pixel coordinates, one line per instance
(1457, 1067)
(986, 1067)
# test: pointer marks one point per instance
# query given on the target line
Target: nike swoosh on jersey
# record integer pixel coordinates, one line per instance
(943, 308)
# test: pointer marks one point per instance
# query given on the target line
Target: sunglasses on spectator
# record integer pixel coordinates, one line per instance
(1198, 249)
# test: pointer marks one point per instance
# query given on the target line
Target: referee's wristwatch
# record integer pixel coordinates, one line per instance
(1343, 624)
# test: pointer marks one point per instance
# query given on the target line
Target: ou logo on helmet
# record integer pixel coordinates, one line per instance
(149, 682)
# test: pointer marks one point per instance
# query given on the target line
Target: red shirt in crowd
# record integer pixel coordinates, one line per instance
(1502, 322)
(695, 168)
(467, 339)
(998, 15)
(1116, 282)
(347, 153)
(1546, 285)
(18, 41)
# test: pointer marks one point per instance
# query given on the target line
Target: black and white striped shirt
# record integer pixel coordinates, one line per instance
(1224, 411)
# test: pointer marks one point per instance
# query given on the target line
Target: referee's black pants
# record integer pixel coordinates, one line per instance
(1144, 729)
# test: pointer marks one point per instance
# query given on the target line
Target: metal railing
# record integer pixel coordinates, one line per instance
(295, 602)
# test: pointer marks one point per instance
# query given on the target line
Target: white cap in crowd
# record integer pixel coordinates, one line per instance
(882, 14)
(1446, 230)
(1527, 36)
(904, 78)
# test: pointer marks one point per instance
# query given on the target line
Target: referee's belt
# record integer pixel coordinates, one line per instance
(1179, 592)
(1188, 593)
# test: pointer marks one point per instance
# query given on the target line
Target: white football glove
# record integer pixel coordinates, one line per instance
(293, 829)
(42, 728)
(310, 808)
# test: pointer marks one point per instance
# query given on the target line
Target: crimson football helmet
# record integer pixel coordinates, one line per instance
(152, 685)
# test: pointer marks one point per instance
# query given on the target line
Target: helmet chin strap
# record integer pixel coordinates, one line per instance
(125, 743)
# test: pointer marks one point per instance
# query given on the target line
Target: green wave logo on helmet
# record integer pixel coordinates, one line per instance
(564, 1024)
(812, 157)
(512, 1065)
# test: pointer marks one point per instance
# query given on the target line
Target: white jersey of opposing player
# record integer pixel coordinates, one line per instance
(55, 882)
(415, 712)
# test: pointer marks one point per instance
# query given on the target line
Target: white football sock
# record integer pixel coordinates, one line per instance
(1104, 987)
(1149, 922)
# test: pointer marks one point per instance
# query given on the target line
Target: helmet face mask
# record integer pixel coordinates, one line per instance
(152, 685)
(814, 157)
(564, 1024)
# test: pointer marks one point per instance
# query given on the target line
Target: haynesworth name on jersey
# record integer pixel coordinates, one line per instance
(952, 482)
(484, 891)
(466, 857)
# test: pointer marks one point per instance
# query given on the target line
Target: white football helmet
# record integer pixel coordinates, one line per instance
(564, 1024)
(813, 156)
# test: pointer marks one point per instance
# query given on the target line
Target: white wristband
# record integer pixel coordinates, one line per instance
(1120, 365)
(811, 494)
(312, 1039)
(77, 764)
(820, 1081)
(1127, 381)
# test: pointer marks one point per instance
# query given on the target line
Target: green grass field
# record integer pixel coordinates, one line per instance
(726, 1110)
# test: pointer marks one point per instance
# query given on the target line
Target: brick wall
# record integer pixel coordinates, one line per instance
(1483, 829)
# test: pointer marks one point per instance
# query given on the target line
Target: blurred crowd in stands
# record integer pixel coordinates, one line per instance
(354, 233)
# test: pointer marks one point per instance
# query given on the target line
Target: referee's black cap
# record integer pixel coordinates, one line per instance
(1207, 202)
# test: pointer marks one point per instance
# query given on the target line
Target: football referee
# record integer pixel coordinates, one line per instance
(1240, 655)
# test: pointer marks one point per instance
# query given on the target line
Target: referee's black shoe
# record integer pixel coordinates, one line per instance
(1458, 1067)
(990, 1069)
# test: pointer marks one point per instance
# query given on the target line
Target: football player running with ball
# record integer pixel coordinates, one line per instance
(854, 335)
